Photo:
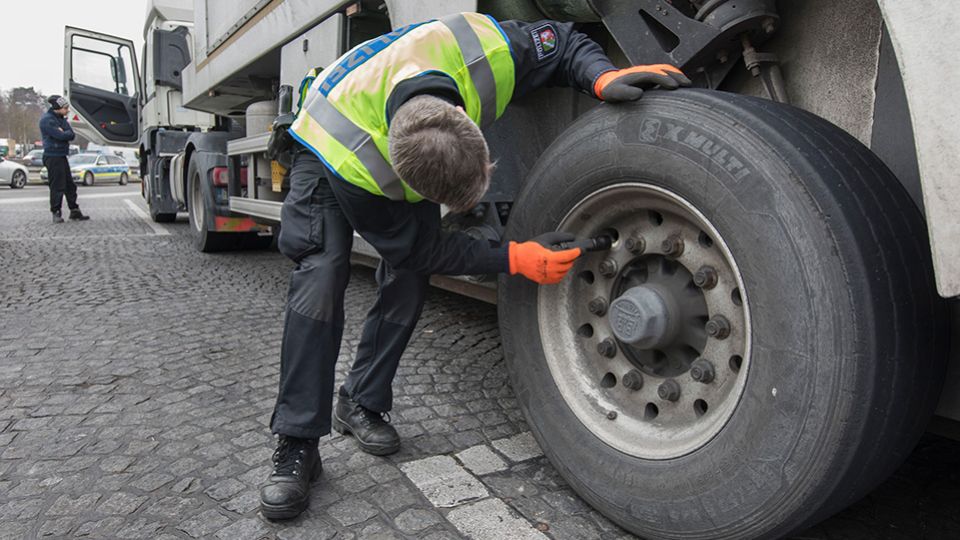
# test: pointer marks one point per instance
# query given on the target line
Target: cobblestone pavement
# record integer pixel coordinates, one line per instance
(137, 378)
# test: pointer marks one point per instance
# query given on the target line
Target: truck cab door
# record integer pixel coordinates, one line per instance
(103, 87)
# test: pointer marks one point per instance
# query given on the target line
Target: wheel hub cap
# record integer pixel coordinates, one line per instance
(641, 317)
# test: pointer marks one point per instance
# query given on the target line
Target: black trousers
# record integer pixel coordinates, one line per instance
(61, 183)
(317, 235)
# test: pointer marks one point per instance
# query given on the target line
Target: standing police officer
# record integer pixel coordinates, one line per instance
(388, 133)
(57, 134)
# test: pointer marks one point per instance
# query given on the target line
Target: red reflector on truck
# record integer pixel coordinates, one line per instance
(221, 176)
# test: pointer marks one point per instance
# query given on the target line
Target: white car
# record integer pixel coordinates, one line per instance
(12, 174)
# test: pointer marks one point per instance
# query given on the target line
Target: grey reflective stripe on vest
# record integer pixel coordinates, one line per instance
(359, 142)
(480, 71)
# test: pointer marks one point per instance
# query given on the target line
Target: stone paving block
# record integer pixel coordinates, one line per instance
(141, 528)
(225, 489)
(481, 460)
(66, 505)
(245, 529)
(56, 528)
(204, 524)
(173, 507)
(443, 481)
(415, 520)
(519, 447)
(492, 518)
(309, 529)
(244, 503)
(151, 481)
(352, 511)
(575, 528)
(121, 504)
(99, 529)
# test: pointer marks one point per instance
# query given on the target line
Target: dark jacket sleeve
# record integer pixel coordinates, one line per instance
(49, 127)
(408, 236)
(68, 129)
(550, 53)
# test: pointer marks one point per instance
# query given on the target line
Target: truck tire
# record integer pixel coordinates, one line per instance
(762, 345)
(200, 206)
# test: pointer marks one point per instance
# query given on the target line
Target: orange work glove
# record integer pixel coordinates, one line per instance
(625, 84)
(537, 262)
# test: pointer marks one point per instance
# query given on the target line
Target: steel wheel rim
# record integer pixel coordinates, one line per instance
(640, 422)
(196, 205)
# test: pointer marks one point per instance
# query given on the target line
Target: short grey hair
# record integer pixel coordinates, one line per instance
(440, 153)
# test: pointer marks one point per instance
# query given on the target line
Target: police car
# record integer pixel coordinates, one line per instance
(92, 168)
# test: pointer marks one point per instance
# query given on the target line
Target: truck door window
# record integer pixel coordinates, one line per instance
(102, 65)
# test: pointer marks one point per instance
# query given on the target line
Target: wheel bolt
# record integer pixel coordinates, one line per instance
(702, 370)
(607, 348)
(673, 246)
(635, 244)
(669, 390)
(608, 268)
(706, 277)
(633, 380)
(598, 306)
(612, 415)
(718, 327)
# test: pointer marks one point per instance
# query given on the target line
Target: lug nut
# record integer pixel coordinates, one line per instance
(607, 348)
(669, 390)
(598, 306)
(718, 327)
(612, 415)
(706, 277)
(635, 244)
(608, 268)
(702, 370)
(673, 246)
(633, 380)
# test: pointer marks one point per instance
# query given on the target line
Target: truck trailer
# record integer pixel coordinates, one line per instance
(769, 334)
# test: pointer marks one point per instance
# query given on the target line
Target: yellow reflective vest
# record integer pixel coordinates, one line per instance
(342, 116)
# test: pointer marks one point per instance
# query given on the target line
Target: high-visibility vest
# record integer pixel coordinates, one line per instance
(342, 116)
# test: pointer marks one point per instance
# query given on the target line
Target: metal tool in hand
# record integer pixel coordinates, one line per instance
(602, 242)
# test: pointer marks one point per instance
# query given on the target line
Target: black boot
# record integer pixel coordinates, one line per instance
(296, 463)
(373, 432)
(77, 215)
(57, 217)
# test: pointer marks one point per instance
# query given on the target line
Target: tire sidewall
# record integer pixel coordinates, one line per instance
(124, 179)
(88, 179)
(783, 423)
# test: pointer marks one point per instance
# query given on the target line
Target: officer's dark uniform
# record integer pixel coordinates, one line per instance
(321, 212)
(57, 134)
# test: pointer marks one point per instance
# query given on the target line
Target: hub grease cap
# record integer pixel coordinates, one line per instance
(640, 317)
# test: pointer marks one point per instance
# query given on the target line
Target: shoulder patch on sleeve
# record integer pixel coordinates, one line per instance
(544, 40)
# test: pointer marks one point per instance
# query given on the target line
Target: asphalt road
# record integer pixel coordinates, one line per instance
(137, 379)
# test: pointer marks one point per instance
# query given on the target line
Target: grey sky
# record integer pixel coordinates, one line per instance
(31, 36)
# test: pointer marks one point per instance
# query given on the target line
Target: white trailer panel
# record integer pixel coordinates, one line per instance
(274, 24)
